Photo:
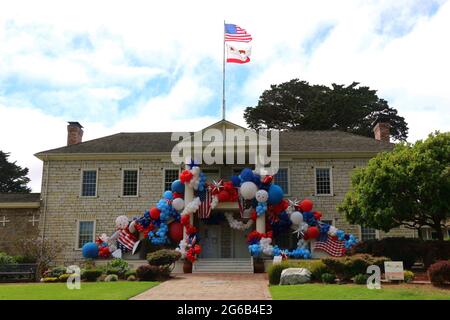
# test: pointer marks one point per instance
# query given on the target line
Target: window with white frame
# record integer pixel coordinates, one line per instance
(169, 176)
(89, 183)
(368, 233)
(85, 232)
(130, 178)
(323, 181)
(282, 179)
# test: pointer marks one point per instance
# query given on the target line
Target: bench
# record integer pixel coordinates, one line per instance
(18, 272)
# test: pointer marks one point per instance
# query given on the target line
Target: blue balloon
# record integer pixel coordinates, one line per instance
(168, 195)
(236, 181)
(275, 194)
(247, 174)
(177, 186)
(90, 250)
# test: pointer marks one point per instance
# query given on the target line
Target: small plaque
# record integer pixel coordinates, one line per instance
(393, 270)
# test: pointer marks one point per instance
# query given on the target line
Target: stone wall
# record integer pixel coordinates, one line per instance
(17, 225)
(63, 206)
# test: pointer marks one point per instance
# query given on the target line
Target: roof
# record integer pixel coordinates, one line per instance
(14, 200)
(160, 142)
(19, 197)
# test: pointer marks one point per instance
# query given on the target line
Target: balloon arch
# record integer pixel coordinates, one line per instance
(170, 221)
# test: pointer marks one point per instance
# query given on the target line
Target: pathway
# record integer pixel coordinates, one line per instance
(210, 287)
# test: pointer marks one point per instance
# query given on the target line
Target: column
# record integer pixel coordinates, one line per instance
(261, 223)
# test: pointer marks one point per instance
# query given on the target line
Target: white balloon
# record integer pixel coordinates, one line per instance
(332, 231)
(304, 226)
(195, 171)
(262, 195)
(178, 204)
(121, 222)
(248, 190)
(296, 218)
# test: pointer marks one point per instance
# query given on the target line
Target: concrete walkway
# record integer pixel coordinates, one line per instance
(210, 287)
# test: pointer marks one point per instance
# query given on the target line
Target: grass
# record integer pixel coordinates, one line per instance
(358, 292)
(121, 290)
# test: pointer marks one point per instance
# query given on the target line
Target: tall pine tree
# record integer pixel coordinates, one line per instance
(13, 178)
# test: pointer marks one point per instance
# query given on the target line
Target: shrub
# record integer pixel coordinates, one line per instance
(6, 259)
(113, 271)
(24, 259)
(147, 273)
(163, 257)
(50, 279)
(347, 267)
(55, 272)
(111, 278)
(439, 272)
(91, 275)
(64, 277)
(361, 278)
(130, 273)
(131, 278)
(316, 267)
(328, 278)
(408, 275)
(118, 266)
(408, 250)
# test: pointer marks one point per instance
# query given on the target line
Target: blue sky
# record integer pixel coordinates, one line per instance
(144, 66)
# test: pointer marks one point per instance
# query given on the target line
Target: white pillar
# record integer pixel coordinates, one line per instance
(261, 223)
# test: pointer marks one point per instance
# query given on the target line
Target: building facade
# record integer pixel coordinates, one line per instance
(86, 185)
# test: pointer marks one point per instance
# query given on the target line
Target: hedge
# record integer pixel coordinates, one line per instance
(408, 250)
(439, 272)
(345, 268)
(163, 257)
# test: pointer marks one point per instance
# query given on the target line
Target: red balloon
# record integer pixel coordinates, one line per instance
(176, 231)
(317, 215)
(267, 179)
(155, 213)
(177, 195)
(306, 205)
(223, 196)
(185, 219)
(312, 233)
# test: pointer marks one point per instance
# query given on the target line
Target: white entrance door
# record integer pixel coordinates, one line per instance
(210, 241)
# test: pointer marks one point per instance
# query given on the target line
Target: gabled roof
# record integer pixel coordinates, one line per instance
(160, 142)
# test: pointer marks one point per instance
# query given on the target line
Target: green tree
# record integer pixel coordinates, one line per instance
(297, 105)
(409, 186)
(13, 178)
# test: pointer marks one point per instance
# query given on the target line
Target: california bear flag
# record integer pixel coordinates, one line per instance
(238, 52)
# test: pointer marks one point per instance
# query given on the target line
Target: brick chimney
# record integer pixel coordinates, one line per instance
(74, 133)
(381, 130)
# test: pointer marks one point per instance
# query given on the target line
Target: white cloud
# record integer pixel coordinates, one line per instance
(62, 60)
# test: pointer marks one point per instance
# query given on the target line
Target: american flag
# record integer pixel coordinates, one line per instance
(242, 206)
(334, 248)
(237, 34)
(204, 211)
(126, 241)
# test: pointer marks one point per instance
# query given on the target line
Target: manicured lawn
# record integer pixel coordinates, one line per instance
(358, 292)
(121, 290)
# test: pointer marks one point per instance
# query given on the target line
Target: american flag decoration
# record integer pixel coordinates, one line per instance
(126, 241)
(204, 211)
(236, 34)
(242, 206)
(330, 245)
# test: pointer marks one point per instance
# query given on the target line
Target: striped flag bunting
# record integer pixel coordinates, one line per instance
(204, 211)
(126, 241)
(333, 247)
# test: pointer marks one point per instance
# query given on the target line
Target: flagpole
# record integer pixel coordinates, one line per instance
(223, 75)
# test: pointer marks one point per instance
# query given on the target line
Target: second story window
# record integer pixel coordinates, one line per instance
(323, 181)
(169, 176)
(282, 179)
(130, 182)
(89, 183)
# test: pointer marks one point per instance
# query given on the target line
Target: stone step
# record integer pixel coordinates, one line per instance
(223, 266)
